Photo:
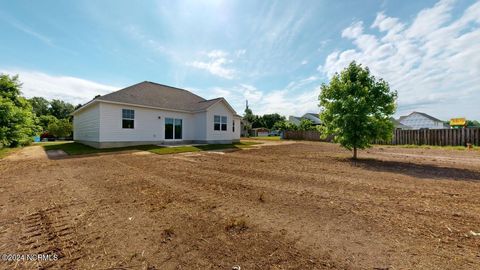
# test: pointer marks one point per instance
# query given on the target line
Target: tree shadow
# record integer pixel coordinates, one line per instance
(418, 170)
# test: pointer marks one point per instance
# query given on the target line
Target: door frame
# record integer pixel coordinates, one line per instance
(173, 130)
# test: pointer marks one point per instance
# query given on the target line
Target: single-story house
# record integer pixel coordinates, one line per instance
(260, 132)
(310, 116)
(398, 125)
(152, 113)
(419, 120)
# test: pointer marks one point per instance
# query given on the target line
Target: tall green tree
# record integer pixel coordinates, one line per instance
(269, 120)
(284, 125)
(356, 108)
(45, 120)
(17, 121)
(248, 115)
(40, 105)
(60, 128)
(61, 109)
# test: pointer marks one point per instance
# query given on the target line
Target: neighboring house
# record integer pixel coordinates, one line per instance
(310, 116)
(398, 125)
(418, 120)
(152, 113)
(260, 132)
(294, 120)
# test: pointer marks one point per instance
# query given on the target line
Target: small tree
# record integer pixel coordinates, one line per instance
(60, 128)
(356, 108)
(284, 125)
(306, 124)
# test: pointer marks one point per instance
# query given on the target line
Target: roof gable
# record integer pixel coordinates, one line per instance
(421, 114)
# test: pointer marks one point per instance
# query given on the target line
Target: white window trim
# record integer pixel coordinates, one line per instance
(220, 123)
(125, 118)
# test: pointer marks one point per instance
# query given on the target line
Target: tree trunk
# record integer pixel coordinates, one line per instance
(354, 152)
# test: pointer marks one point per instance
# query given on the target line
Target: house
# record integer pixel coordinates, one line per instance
(419, 120)
(310, 116)
(260, 132)
(398, 125)
(152, 113)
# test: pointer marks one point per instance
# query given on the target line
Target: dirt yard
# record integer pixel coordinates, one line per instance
(292, 206)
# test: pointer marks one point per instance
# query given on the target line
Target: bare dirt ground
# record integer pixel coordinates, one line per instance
(286, 206)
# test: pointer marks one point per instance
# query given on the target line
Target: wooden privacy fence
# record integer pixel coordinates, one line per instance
(441, 137)
(309, 135)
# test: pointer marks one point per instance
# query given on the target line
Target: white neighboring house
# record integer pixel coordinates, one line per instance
(419, 120)
(152, 113)
(310, 116)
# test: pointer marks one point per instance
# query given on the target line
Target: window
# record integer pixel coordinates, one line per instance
(233, 126)
(216, 122)
(219, 122)
(128, 118)
(224, 123)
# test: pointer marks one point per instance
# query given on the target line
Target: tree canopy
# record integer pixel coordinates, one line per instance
(17, 121)
(306, 124)
(61, 109)
(356, 108)
(265, 121)
(40, 106)
(60, 128)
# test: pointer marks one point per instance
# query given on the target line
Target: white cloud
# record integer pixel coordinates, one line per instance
(304, 62)
(215, 64)
(297, 98)
(353, 31)
(433, 62)
(70, 89)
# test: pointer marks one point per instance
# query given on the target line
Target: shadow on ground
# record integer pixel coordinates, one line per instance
(417, 170)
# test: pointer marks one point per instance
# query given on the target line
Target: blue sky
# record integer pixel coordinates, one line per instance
(276, 54)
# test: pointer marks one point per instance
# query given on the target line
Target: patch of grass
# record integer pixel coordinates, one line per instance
(447, 147)
(269, 138)
(73, 148)
(161, 150)
(236, 225)
(6, 151)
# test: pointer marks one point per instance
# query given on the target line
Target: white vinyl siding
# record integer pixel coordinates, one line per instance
(418, 121)
(221, 109)
(102, 122)
(86, 124)
(149, 124)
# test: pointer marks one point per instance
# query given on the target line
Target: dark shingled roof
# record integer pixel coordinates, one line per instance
(423, 114)
(160, 96)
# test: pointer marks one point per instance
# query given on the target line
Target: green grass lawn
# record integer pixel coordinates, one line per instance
(73, 148)
(269, 138)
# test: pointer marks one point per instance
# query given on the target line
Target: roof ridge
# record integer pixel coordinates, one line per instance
(206, 100)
